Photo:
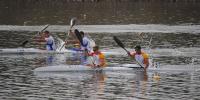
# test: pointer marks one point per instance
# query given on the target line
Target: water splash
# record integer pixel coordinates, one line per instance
(194, 60)
(59, 43)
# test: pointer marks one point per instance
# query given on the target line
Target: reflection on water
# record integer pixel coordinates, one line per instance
(37, 12)
(17, 80)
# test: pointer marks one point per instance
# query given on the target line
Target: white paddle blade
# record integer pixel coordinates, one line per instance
(72, 22)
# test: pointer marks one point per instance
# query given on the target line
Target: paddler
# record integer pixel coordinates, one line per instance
(140, 56)
(85, 46)
(97, 58)
(50, 42)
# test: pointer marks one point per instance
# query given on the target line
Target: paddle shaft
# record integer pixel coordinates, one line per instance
(72, 23)
(132, 57)
(46, 26)
(65, 41)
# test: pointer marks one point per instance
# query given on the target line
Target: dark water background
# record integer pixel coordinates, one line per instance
(178, 45)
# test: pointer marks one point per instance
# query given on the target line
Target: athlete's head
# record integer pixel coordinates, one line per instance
(46, 33)
(82, 33)
(96, 48)
(138, 49)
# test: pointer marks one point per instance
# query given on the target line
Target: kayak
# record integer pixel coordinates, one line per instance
(38, 51)
(26, 51)
(77, 68)
(123, 67)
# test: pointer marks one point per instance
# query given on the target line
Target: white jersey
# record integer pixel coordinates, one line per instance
(50, 43)
(86, 44)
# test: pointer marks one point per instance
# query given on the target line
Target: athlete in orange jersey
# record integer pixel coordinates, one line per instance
(140, 56)
(98, 58)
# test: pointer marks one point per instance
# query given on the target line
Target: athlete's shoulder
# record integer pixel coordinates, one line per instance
(101, 55)
(145, 55)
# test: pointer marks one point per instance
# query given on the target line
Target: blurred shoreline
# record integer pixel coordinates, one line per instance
(99, 12)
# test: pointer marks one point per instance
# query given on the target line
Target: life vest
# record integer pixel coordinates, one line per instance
(98, 59)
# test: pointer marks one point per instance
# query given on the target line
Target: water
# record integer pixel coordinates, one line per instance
(18, 80)
(170, 35)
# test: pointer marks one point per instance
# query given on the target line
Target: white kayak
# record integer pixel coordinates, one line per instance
(28, 51)
(77, 68)
(38, 51)
(125, 67)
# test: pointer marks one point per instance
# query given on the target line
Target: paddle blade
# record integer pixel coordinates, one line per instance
(24, 43)
(72, 22)
(118, 42)
(78, 35)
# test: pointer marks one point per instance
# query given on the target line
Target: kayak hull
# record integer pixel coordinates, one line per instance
(125, 67)
(77, 68)
(29, 51)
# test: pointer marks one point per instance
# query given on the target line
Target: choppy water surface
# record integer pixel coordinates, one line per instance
(18, 80)
(168, 30)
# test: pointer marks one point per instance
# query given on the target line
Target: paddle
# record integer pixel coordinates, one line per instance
(80, 38)
(72, 23)
(122, 46)
(26, 41)
(78, 35)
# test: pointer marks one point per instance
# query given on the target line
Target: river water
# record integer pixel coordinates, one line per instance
(167, 30)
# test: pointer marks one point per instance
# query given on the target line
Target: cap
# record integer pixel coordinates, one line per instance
(137, 47)
(96, 48)
(46, 32)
